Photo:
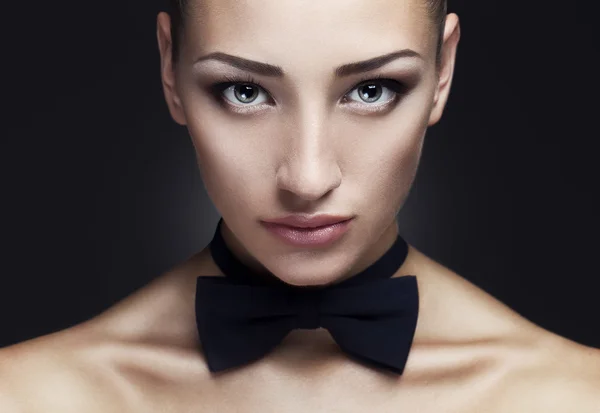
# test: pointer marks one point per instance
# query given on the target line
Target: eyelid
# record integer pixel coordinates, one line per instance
(218, 88)
(361, 81)
(399, 88)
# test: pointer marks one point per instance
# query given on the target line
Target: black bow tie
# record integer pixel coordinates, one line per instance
(243, 316)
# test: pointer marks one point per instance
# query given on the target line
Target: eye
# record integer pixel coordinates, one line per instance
(376, 92)
(244, 94)
(240, 94)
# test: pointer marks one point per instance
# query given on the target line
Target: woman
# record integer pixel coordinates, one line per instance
(304, 110)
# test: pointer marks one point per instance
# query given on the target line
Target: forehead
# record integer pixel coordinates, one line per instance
(305, 31)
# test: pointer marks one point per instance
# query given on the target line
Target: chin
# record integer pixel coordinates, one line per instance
(310, 270)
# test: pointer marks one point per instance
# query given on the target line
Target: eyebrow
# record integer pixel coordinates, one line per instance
(348, 69)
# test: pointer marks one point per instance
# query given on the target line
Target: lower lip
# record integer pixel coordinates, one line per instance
(308, 237)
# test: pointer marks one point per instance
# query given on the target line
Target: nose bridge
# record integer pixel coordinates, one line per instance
(310, 167)
(307, 135)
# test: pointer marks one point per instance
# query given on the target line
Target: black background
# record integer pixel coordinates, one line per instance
(101, 193)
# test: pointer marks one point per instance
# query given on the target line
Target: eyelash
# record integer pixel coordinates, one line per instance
(398, 88)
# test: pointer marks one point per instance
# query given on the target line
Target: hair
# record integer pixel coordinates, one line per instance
(437, 10)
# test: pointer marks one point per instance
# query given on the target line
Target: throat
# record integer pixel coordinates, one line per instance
(307, 349)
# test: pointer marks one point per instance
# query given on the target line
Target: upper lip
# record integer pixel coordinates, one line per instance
(305, 221)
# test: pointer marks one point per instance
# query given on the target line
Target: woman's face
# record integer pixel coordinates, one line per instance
(310, 139)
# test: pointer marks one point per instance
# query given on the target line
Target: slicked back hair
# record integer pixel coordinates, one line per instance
(179, 8)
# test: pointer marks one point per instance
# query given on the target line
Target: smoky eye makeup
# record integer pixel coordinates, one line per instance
(366, 94)
(240, 93)
(245, 89)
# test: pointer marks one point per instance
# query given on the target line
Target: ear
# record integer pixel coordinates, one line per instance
(167, 70)
(448, 58)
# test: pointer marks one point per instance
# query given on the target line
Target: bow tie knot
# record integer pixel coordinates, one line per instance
(307, 304)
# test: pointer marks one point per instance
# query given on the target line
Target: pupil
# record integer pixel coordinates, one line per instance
(370, 93)
(245, 93)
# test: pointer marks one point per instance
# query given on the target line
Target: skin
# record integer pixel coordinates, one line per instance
(305, 149)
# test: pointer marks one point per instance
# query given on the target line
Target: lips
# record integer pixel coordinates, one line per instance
(309, 232)
(304, 221)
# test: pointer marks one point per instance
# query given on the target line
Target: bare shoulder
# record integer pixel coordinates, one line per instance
(563, 376)
(535, 370)
(107, 363)
(55, 373)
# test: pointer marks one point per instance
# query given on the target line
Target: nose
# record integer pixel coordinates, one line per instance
(309, 169)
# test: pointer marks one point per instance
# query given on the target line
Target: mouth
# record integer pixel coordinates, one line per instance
(305, 221)
(314, 232)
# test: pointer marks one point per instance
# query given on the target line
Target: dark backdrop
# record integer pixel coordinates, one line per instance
(101, 193)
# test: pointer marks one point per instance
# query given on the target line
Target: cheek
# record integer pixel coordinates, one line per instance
(387, 175)
(382, 158)
(233, 163)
